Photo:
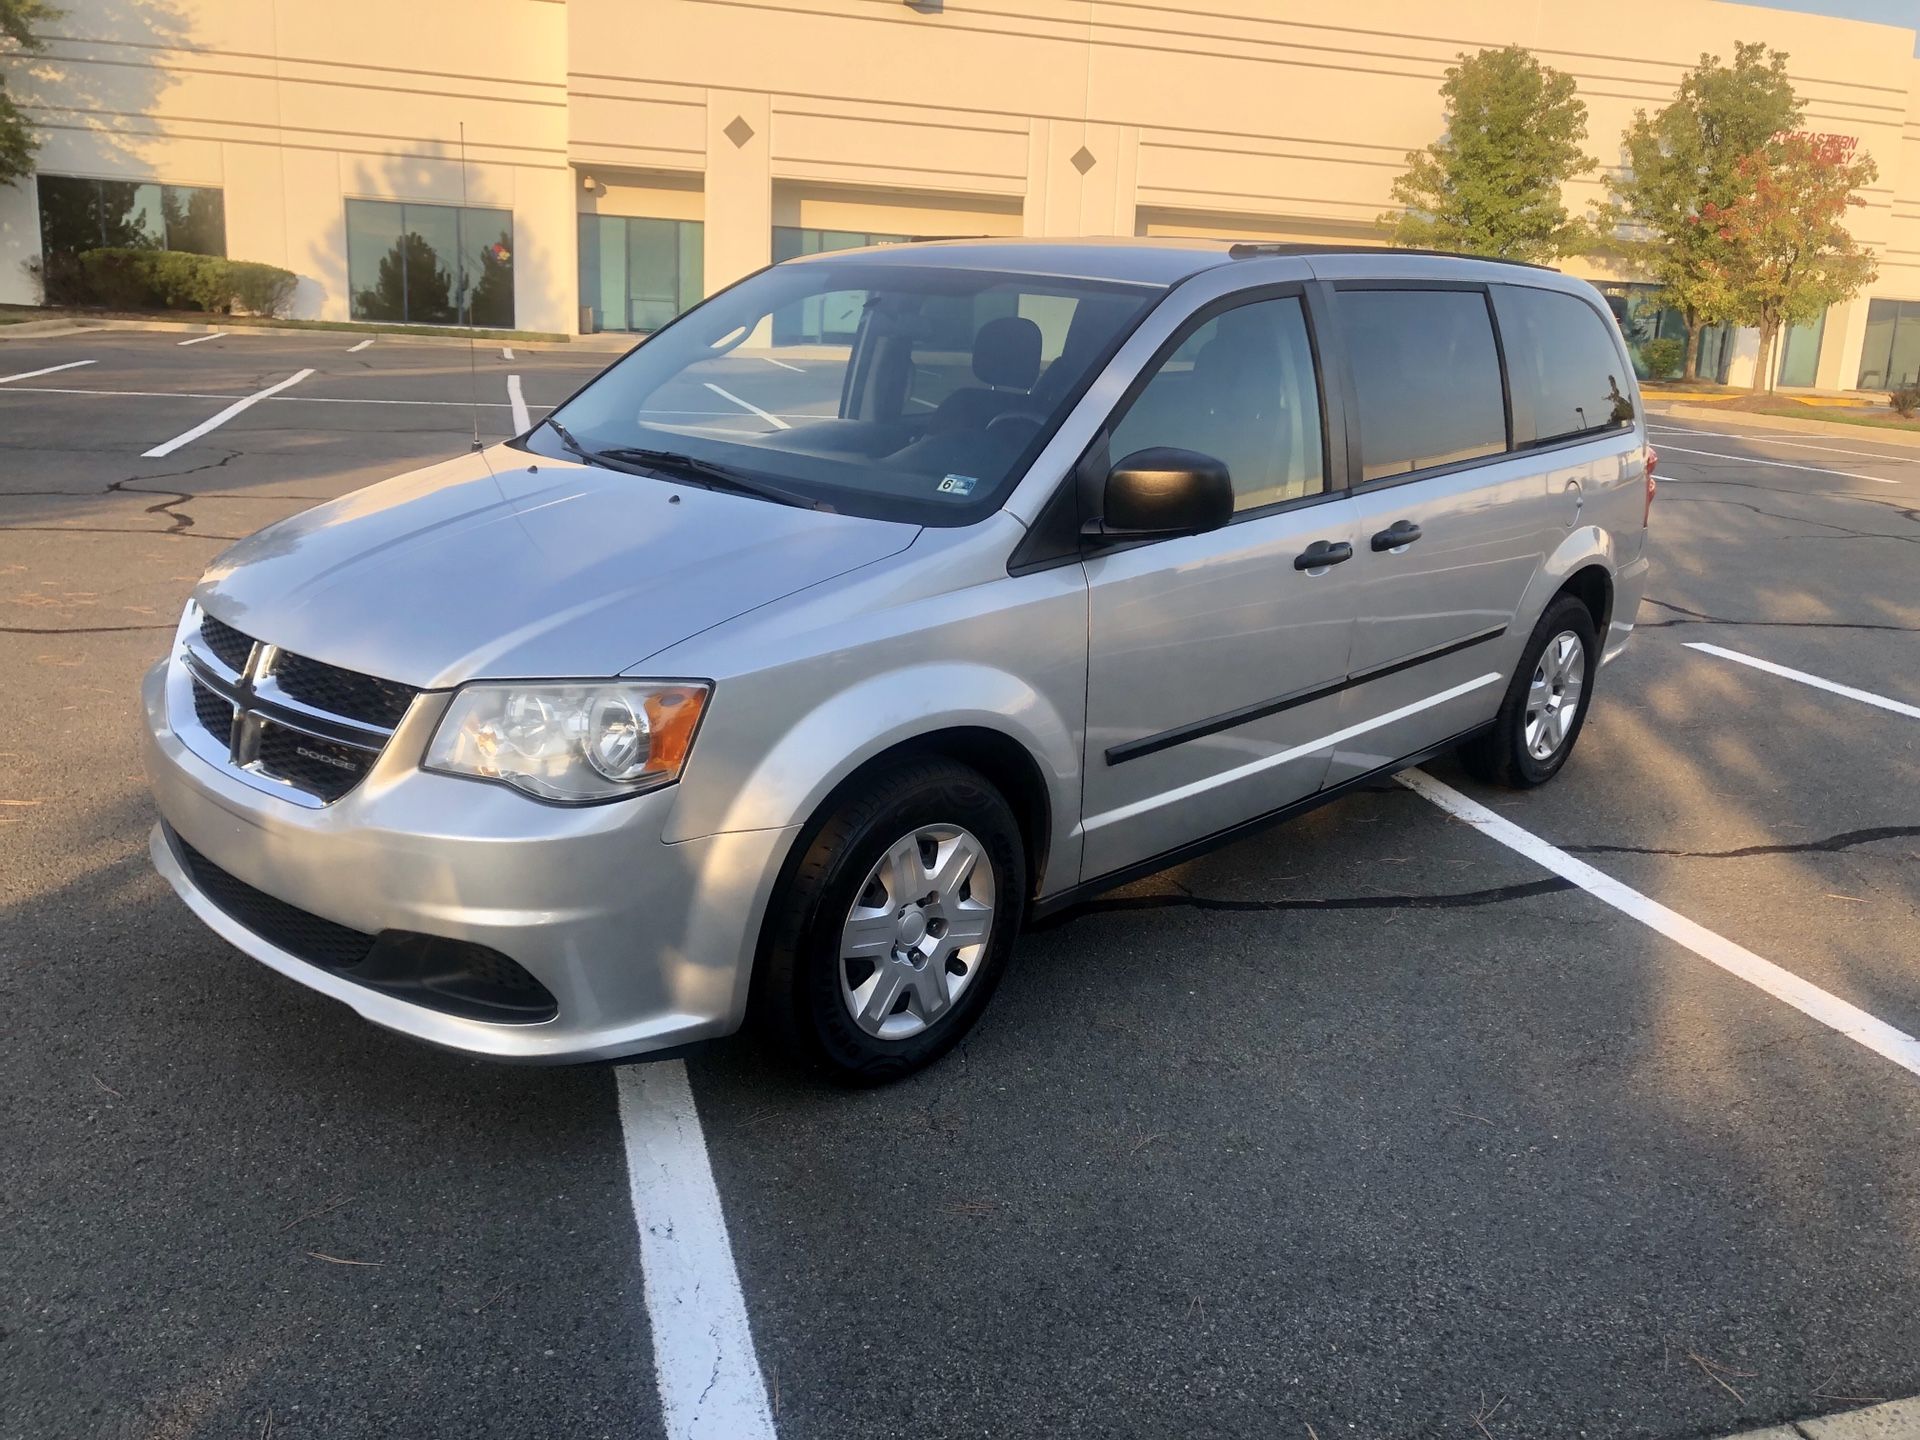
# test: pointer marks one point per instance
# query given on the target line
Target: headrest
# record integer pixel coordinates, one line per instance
(1006, 353)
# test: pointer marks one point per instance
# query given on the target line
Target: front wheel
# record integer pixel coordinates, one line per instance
(888, 937)
(1545, 704)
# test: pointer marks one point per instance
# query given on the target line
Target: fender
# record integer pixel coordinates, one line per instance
(1580, 547)
(824, 745)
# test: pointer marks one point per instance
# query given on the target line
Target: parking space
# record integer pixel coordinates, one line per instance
(1372, 1125)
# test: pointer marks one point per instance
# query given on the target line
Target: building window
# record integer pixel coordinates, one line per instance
(819, 321)
(1800, 351)
(1642, 318)
(430, 264)
(790, 241)
(1891, 356)
(637, 274)
(78, 214)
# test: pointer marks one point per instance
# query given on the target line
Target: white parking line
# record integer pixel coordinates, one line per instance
(1663, 447)
(355, 349)
(1866, 697)
(1830, 1010)
(506, 352)
(766, 415)
(282, 399)
(783, 365)
(1796, 444)
(50, 370)
(521, 420)
(244, 403)
(202, 339)
(703, 1357)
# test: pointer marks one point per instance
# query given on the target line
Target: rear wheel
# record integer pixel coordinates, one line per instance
(1545, 705)
(887, 939)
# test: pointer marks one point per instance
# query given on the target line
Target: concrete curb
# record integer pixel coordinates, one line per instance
(69, 325)
(1875, 433)
(1895, 1420)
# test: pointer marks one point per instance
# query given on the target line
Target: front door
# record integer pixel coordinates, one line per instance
(1215, 660)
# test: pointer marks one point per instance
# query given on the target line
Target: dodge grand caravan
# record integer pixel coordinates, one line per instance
(884, 601)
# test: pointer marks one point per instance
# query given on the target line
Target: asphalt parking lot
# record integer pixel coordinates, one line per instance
(1373, 1126)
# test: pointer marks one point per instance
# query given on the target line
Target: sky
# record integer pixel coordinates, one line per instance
(1904, 13)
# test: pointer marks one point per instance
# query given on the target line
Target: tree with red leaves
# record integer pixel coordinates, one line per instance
(1785, 253)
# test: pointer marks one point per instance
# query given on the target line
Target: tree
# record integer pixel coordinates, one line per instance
(19, 20)
(412, 285)
(1491, 184)
(1782, 250)
(1687, 157)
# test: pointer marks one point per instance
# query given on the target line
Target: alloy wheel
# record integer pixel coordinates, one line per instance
(1553, 697)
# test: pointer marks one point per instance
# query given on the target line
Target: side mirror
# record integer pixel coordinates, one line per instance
(1164, 491)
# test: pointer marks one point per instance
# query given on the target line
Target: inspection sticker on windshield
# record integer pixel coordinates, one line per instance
(957, 485)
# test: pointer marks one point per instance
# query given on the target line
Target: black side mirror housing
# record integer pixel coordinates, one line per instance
(1164, 491)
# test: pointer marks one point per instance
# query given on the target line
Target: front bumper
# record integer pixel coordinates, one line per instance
(643, 944)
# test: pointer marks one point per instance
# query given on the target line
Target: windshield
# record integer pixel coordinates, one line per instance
(900, 392)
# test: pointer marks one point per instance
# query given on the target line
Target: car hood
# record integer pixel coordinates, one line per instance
(491, 566)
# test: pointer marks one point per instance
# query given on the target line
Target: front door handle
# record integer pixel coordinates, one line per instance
(1395, 536)
(1322, 553)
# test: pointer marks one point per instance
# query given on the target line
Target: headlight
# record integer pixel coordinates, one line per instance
(571, 743)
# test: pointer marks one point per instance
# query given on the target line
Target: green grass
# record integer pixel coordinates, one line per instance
(1841, 416)
(15, 314)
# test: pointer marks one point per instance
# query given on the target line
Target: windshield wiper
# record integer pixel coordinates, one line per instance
(638, 460)
(710, 474)
(566, 439)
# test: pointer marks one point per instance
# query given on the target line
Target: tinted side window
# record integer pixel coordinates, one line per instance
(1567, 375)
(1240, 388)
(1427, 378)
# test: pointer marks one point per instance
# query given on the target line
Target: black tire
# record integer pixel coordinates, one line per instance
(798, 994)
(1500, 756)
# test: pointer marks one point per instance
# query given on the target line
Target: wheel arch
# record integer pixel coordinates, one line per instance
(1592, 585)
(1582, 565)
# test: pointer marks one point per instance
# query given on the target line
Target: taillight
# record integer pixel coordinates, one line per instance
(1653, 458)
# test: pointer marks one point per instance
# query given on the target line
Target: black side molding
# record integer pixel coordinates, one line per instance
(1213, 725)
(1051, 906)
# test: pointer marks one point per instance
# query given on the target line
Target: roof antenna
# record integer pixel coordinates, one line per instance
(466, 300)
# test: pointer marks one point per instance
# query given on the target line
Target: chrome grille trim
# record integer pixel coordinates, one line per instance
(261, 707)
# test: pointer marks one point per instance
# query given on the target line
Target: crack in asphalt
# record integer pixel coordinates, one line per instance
(1465, 899)
(179, 522)
(1700, 617)
(1826, 845)
(116, 530)
(1845, 532)
(178, 519)
(79, 629)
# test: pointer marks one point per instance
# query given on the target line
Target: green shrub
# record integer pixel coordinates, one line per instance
(258, 289)
(1664, 357)
(1905, 401)
(128, 279)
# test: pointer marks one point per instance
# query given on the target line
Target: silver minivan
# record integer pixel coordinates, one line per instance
(882, 603)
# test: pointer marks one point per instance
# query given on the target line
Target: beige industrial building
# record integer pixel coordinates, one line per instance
(545, 164)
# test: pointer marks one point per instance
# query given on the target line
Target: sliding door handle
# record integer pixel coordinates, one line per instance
(1322, 553)
(1397, 536)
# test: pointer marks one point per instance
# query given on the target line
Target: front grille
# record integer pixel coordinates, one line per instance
(456, 977)
(346, 693)
(223, 640)
(317, 941)
(214, 711)
(320, 767)
(262, 721)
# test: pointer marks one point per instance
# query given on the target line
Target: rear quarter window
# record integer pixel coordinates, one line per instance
(1569, 378)
(1426, 375)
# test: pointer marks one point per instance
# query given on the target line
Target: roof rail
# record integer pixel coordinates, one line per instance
(1253, 249)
